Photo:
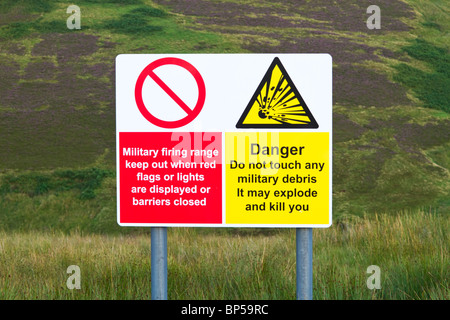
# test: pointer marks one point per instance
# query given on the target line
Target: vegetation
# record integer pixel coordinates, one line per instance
(203, 264)
(391, 156)
(61, 200)
(37, 183)
(430, 87)
(136, 22)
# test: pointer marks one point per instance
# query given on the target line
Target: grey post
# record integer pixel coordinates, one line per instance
(304, 263)
(159, 263)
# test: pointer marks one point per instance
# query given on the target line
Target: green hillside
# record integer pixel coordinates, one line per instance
(57, 99)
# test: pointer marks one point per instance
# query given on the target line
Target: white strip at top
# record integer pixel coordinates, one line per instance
(230, 82)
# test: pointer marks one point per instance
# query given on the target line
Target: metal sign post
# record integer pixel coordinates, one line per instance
(304, 253)
(159, 263)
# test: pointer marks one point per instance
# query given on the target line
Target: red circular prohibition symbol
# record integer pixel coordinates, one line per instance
(191, 113)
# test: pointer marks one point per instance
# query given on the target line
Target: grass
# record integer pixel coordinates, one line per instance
(411, 250)
(62, 200)
(136, 22)
(430, 87)
(26, 5)
(35, 183)
(434, 24)
(429, 48)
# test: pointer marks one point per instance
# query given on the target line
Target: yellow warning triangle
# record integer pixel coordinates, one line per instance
(277, 103)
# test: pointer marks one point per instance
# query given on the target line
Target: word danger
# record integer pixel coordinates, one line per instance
(285, 152)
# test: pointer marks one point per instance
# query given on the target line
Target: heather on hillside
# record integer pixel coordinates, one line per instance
(58, 98)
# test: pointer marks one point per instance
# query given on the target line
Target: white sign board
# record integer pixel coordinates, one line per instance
(232, 140)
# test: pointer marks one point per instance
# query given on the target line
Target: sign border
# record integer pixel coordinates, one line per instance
(328, 128)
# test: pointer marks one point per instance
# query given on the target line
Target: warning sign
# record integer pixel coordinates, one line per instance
(277, 178)
(224, 140)
(277, 103)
